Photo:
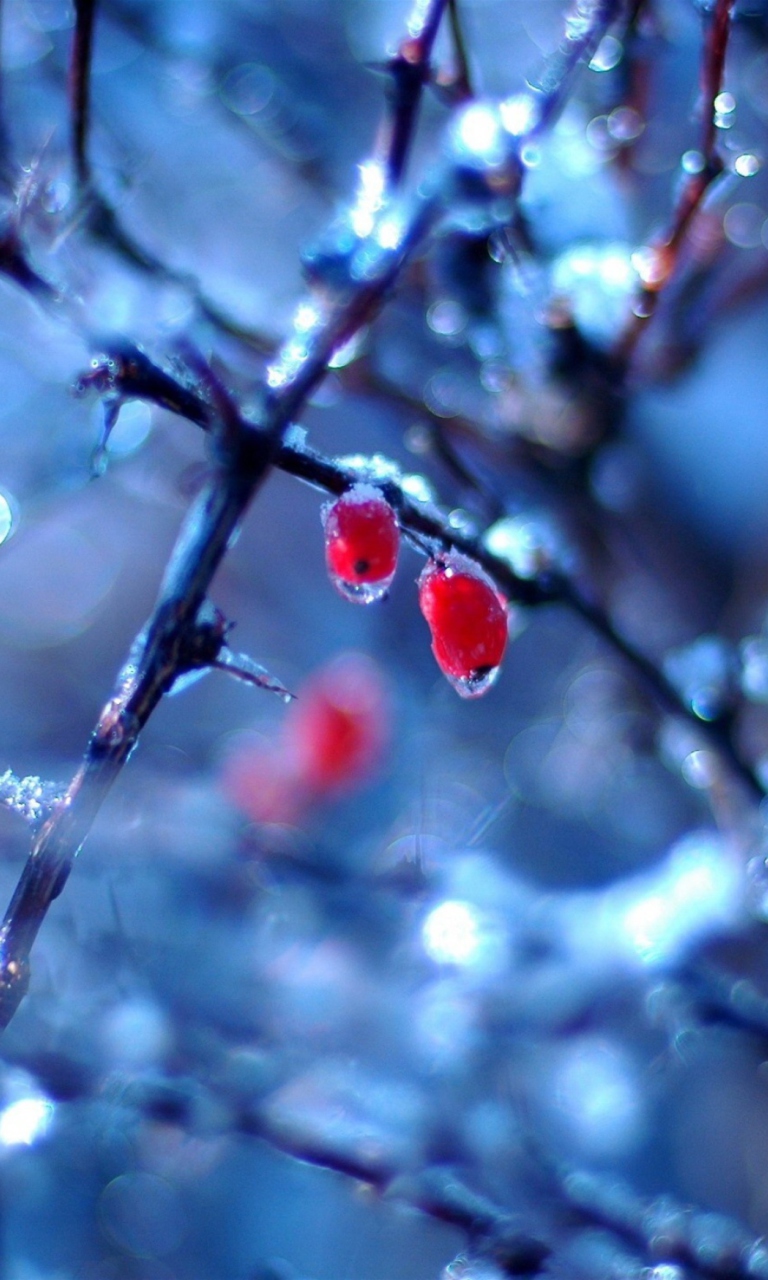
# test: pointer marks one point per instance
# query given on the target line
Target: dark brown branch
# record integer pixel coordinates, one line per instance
(664, 252)
(145, 381)
(243, 454)
(80, 87)
(410, 71)
(461, 80)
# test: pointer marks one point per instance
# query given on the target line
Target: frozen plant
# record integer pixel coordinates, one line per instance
(498, 961)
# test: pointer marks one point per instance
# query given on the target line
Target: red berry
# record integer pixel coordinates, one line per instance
(362, 540)
(333, 741)
(468, 621)
(337, 729)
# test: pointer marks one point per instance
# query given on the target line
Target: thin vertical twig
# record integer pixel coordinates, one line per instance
(80, 87)
(410, 71)
(664, 253)
(175, 639)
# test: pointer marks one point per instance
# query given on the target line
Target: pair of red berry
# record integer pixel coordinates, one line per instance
(466, 615)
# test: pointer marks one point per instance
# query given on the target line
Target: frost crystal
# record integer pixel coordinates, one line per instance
(530, 544)
(30, 797)
(370, 468)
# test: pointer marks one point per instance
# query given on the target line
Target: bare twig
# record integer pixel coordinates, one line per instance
(80, 87)
(586, 24)
(663, 254)
(410, 71)
(145, 381)
(175, 639)
(461, 80)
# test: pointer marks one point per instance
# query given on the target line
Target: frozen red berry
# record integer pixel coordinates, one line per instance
(362, 541)
(468, 621)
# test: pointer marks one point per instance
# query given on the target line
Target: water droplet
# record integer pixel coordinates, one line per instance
(608, 54)
(747, 165)
(362, 592)
(6, 517)
(476, 685)
(349, 351)
(131, 429)
(704, 675)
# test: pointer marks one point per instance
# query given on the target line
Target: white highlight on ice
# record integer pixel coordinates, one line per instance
(24, 1121)
(370, 198)
(654, 918)
(451, 933)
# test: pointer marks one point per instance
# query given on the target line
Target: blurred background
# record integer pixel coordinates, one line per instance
(383, 929)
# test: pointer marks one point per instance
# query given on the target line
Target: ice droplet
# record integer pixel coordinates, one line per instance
(476, 685)
(362, 592)
(6, 517)
(704, 674)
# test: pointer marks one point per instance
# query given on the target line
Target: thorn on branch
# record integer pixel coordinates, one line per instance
(244, 668)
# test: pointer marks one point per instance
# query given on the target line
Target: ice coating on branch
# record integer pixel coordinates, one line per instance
(373, 468)
(244, 668)
(483, 168)
(30, 797)
(307, 324)
(519, 114)
(597, 283)
(529, 543)
(654, 919)
(753, 676)
(478, 137)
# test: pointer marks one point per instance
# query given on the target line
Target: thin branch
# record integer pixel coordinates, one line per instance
(461, 80)
(410, 71)
(585, 26)
(664, 253)
(80, 87)
(428, 524)
(244, 452)
(661, 1230)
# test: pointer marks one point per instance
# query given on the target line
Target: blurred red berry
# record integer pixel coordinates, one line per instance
(468, 621)
(333, 740)
(338, 728)
(362, 540)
